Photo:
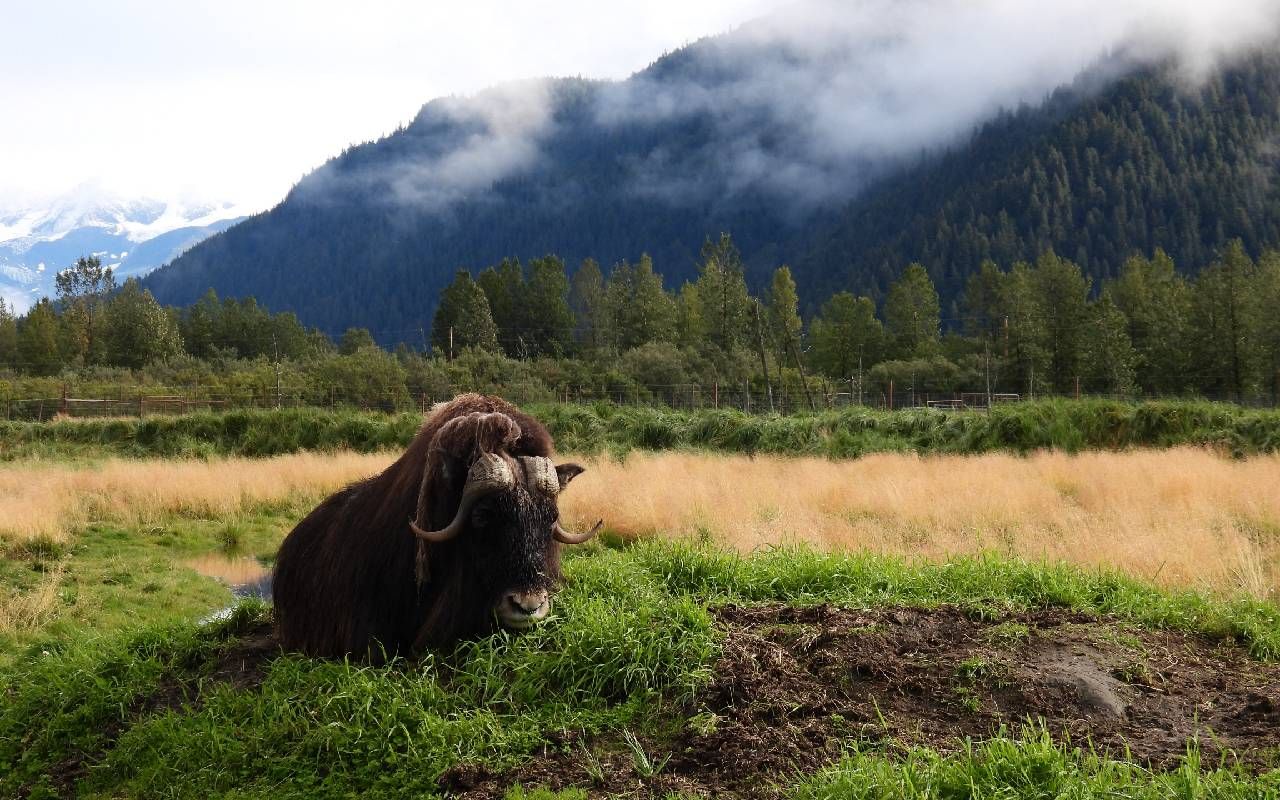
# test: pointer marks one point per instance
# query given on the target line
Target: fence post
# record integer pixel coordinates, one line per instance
(891, 394)
(141, 406)
(62, 407)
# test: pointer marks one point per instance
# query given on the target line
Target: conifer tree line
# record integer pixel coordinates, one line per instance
(1032, 328)
(535, 330)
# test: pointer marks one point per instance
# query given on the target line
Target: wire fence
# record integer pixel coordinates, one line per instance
(751, 398)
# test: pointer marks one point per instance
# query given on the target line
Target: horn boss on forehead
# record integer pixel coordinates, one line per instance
(540, 475)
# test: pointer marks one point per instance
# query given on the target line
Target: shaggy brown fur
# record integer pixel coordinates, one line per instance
(344, 581)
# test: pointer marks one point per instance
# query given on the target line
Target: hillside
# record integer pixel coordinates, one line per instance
(1100, 169)
(1095, 175)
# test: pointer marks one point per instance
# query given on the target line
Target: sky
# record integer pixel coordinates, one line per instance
(235, 100)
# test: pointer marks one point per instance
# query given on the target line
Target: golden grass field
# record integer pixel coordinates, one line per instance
(48, 499)
(1185, 517)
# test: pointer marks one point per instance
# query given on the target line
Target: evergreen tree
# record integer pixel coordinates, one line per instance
(1063, 297)
(504, 288)
(462, 320)
(984, 317)
(548, 318)
(640, 310)
(201, 324)
(354, 340)
(727, 310)
(691, 328)
(1156, 302)
(590, 311)
(291, 338)
(1264, 320)
(8, 336)
(847, 338)
(912, 315)
(245, 328)
(1024, 349)
(1109, 355)
(1220, 312)
(137, 331)
(38, 340)
(784, 315)
(83, 290)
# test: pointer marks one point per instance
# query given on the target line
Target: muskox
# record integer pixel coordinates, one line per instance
(460, 535)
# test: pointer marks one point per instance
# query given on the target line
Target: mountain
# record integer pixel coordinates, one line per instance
(745, 134)
(1095, 174)
(133, 235)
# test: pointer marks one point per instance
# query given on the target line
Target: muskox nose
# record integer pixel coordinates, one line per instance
(522, 609)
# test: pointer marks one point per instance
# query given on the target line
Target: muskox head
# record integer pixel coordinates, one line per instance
(498, 513)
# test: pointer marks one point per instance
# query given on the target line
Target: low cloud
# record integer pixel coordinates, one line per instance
(457, 147)
(816, 99)
(824, 95)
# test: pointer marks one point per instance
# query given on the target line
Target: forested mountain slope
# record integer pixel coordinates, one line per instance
(1101, 169)
(1148, 162)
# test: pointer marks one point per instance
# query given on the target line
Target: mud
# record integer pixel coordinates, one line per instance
(794, 686)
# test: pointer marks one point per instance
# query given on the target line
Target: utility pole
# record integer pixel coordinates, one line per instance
(764, 364)
(275, 347)
(987, 360)
(860, 373)
(450, 342)
(804, 380)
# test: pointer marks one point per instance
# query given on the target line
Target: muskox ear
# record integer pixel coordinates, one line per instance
(567, 472)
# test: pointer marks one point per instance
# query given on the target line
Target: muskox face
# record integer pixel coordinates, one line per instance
(516, 531)
(506, 532)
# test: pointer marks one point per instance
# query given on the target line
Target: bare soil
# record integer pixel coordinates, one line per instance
(793, 686)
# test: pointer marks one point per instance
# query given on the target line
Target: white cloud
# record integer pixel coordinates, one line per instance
(829, 90)
(237, 99)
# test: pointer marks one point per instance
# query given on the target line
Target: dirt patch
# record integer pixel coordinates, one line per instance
(793, 686)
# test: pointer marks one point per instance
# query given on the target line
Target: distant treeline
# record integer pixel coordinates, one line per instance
(604, 427)
(1033, 329)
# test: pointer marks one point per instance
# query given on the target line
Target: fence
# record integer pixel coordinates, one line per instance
(128, 402)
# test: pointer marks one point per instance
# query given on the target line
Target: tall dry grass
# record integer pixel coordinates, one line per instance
(1177, 517)
(47, 500)
(29, 610)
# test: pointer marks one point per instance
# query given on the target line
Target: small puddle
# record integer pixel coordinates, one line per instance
(244, 576)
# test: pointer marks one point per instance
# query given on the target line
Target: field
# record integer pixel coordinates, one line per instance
(1100, 623)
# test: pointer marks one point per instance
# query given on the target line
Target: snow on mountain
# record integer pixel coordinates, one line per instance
(133, 235)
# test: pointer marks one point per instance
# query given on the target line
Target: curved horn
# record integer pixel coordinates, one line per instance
(574, 538)
(489, 473)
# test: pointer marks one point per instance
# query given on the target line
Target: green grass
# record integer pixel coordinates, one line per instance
(1027, 765)
(631, 641)
(1022, 427)
(116, 577)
